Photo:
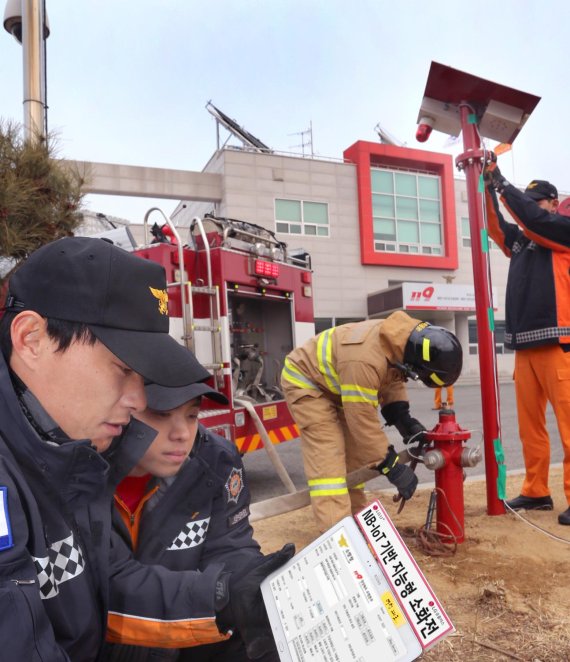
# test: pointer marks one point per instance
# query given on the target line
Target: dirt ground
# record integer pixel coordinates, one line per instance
(505, 588)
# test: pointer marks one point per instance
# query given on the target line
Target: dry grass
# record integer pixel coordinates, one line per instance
(504, 589)
(507, 636)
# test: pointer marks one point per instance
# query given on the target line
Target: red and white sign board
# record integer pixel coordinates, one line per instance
(435, 296)
(416, 597)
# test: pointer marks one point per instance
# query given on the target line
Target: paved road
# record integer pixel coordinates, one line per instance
(264, 483)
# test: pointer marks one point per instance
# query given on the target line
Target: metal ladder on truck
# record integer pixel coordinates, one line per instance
(187, 290)
(213, 327)
(244, 234)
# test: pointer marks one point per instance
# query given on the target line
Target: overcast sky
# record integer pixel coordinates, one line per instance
(128, 80)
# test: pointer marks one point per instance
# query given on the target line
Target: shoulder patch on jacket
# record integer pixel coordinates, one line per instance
(236, 518)
(234, 484)
(5, 528)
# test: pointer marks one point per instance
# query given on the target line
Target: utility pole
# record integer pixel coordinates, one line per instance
(26, 21)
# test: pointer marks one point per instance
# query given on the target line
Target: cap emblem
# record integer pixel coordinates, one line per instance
(162, 296)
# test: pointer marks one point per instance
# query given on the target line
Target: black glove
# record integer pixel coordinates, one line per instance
(492, 175)
(400, 475)
(398, 414)
(239, 603)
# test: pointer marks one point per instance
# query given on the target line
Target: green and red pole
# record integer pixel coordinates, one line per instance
(471, 162)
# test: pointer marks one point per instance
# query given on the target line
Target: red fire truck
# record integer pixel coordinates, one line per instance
(240, 299)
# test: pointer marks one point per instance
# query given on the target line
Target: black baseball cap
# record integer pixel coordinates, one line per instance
(122, 298)
(540, 189)
(161, 398)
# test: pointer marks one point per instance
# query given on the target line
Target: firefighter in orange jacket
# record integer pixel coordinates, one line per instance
(537, 309)
(334, 384)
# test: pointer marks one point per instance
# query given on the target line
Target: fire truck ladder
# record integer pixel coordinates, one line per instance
(240, 233)
(213, 325)
(186, 300)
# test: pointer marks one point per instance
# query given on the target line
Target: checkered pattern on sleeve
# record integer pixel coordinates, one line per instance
(192, 535)
(64, 562)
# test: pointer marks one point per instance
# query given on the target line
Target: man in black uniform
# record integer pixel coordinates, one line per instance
(85, 324)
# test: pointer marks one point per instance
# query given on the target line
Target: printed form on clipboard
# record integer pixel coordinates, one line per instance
(335, 601)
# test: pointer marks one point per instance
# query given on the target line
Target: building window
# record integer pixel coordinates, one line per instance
(406, 212)
(466, 235)
(302, 217)
(499, 338)
(346, 320)
(324, 323)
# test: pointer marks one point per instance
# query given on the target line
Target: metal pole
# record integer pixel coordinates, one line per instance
(471, 162)
(268, 445)
(34, 91)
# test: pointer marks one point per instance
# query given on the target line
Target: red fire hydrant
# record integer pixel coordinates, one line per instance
(447, 457)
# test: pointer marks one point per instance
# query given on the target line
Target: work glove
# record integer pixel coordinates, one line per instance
(398, 414)
(400, 475)
(239, 603)
(492, 175)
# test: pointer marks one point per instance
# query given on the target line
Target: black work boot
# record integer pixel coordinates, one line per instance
(564, 518)
(532, 503)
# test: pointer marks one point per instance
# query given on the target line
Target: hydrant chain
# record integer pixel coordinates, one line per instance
(447, 456)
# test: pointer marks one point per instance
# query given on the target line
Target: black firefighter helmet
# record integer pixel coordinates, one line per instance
(434, 354)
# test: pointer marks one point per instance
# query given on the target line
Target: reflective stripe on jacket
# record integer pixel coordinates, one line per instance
(350, 364)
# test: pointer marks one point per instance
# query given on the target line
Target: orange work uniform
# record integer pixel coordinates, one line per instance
(437, 400)
(537, 326)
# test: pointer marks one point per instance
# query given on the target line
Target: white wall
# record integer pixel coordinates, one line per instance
(252, 181)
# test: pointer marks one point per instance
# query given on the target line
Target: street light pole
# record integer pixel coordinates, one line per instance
(34, 67)
(25, 19)
(457, 101)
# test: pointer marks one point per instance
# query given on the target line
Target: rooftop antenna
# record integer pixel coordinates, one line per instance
(387, 138)
(248, 140)
(306, 140)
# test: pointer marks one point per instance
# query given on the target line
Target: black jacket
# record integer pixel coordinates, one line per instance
(537, 306)
(194, 520)
(56, 571)
(53, 579)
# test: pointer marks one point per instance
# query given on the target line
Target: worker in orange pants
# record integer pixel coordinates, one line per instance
(437, 403)
(537, 306)
(541, 374)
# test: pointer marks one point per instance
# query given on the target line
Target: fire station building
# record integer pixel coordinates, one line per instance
(386, 228)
